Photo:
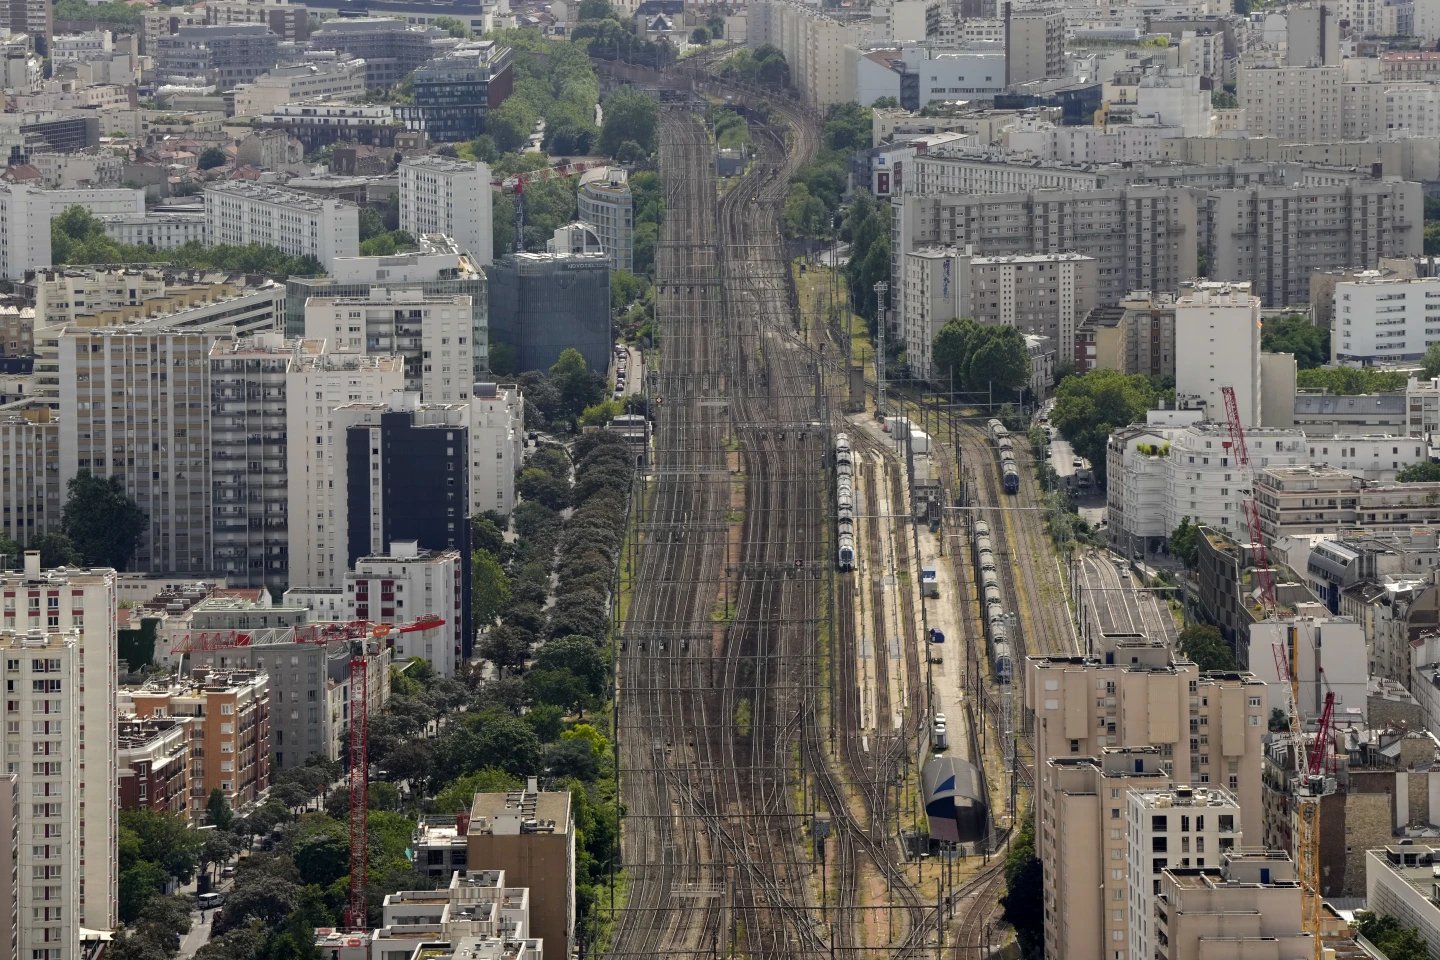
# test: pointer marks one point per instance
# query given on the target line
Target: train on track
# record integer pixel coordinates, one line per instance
(997, 623)
(1005, 446)
(844, 503)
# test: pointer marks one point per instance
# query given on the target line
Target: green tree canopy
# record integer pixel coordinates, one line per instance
(1350, 381)
(1393, 938)
(217, 810)
(1185, 543)
(1430, 368)
(632, 116)
(1295, 334)
(980, 358)
(1090, 406)
(210, 158)
(101, 520)
(453, 26)
(1203, 644)
(1424, 472)
(490, 590)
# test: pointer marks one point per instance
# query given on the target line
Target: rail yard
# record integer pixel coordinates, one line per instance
(777, 696)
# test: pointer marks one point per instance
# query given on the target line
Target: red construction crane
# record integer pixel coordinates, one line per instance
(1263, 574)
(356, 910)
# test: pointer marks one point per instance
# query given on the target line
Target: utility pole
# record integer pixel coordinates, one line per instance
(881, 289)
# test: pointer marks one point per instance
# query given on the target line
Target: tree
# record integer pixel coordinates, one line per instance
(490, 588)
(506, 646)
(1350, 381)
(138, 884)
(1424, 472)
(716, 26)
(218, 847)
(629, 116)
(980, 359)
(1223, 100)
(1430, 365)
(211, 158)
(1089, 407)
(1297, 335)
(1203, 644)
(321, 850)
(700, 36)
(101, 520)
(577, 655)
(56, 550)
(537, 485)
(1394, 939)
(1024, 881)
(453, 26)
(1185, 543)
(217, 810)
(461, 793)
(595, 10)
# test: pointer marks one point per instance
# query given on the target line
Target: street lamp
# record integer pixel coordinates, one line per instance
(881, 289)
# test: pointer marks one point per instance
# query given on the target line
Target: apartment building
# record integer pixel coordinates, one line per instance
(243, 212)
(1042, 295)
(531, 836)
(229, 733)
(1180, 826)
(317, 385)
(497, 446)
(1217, 345)
(33, 18)
(1193, 472)
(406, 583)
(1141, 237)
(137, 402)
(315, 80)
(321, 123)
(544, 303)
(1276, 236)
(308, 667)
(155, 764)
(248, 413)
(439, 268)
(1326, 654)
(1034, 43)
(432, 334)
(1135, 336)
(983, 172)
(1381, 320)
(813, 43)
(43, 674)
(163, 231)
(450, 197)
(1080, 821)
(27, 212)
(1247, 908)
(73, 611)
(1295, 104)
(217, 55)
(391, 48)
(1207, 727)
(605, 204)
(1316, 499)
(1400, 883)
(30, 495)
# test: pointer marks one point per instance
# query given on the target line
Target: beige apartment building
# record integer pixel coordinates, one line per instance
(1295, 104)
(1248, 908)
(813, 43)
(78, 607)
(1201, 731)
(530, 835)
(1137, 335)
(30, 495)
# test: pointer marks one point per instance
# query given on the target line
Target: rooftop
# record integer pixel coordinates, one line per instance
(520, 811)
(266, 193)
(444, 165)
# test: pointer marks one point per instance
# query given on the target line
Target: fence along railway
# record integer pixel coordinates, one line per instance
(723, 760)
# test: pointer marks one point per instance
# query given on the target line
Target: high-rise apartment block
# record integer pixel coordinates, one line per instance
(455, 93)
(30, 495)
(433, 334)
(497, 444)
(531, 836)
(242, 212)
(1042, 294)
(26, 214)
(406, 583)
(1174, 827)
(137, 402)
(453, 197)
(218, 55)
(439, 268)
(35, 19)
(1204, 730)
(319, 384)
(391, 48)
(72, 613)
(1034, 43)
(43, 676)
(543, 303)
(1217, 345)
(813, 43)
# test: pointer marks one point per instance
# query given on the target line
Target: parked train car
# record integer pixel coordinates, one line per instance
(987, 579)
(844, 503)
